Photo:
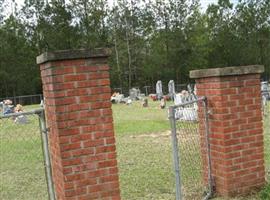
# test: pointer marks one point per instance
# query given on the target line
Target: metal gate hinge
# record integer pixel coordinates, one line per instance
(46, 131)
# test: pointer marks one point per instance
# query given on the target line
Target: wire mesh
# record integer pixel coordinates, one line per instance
(22, 166)
(190, 129)
(265, 102)
(266, 121)
(25, 100)
(144, 151)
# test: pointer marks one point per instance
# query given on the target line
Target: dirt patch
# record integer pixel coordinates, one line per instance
(164, 134)
(183, 135)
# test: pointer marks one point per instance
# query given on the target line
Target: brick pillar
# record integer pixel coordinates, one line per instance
(236, 138)
(76, 88)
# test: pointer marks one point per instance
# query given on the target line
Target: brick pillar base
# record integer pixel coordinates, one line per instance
(76, 89)
(236, 138)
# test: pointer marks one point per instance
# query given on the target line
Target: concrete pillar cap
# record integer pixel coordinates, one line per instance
(72, 54)
(227, 71)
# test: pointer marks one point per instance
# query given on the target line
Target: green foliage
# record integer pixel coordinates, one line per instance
(150, 40)
(265, 193)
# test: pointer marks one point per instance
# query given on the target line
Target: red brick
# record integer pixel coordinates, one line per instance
(104, 82)
(254, 119)
(236, 122)
(68, 185)
(64, 140)
(69, 131)
(76, 192)
(82, 152)
(99, 75)
(110, 141)
(113, 170)
(98, 173)
(94, 143)
(109, 194)
(103, 68)
(78, 92)
(245, 102)
(95, 188)
(67, 170)
(82, 144)
(86, 84)
(236, 84)
(110, 163)
(89, 196)
(73, 161)
(238, 109)
(86, 182)
(67, 116)
(252, 82)
(111, 155)
(110, 178)
(236, 136)
(66, 147)
(63, 86)
(102, 134)
(74, 177)
(103, 149)
(81, 137)
(85, 69)
(78, 107)
(62, 70)
(75, 77)
(100, 90)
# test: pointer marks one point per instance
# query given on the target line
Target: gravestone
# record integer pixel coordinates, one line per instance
(134, 94)
(171, 88)
(159, 92)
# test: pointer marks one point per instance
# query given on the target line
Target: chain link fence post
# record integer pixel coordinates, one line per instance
(46, 154)
(175, 154)
(208, 148)
(190, 136)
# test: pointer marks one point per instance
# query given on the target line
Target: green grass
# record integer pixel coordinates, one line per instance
(145, 162)
(144, 156)
(267, 139)
(21, 166)
(265, 193)
(134, 119)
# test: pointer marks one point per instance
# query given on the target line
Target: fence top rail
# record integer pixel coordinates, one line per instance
(32, 112)
(263, 91)
(23, 96)
(203, 98)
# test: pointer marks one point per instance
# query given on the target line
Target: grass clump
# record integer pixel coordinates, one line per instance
(265, 193)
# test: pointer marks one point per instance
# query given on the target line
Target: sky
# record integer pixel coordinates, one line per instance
(204, 3)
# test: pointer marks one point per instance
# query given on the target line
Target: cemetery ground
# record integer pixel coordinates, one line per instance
(143, 147)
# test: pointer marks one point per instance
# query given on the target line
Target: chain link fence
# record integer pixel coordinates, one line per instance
(22, 168)
(151, 89)
(25, 100)
(266, 121)
(189, 123)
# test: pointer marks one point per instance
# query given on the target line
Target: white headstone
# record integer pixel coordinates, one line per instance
(159, 90)
(178, 99)
(171, 89)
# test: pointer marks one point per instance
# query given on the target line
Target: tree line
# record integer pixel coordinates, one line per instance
(150, 39)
